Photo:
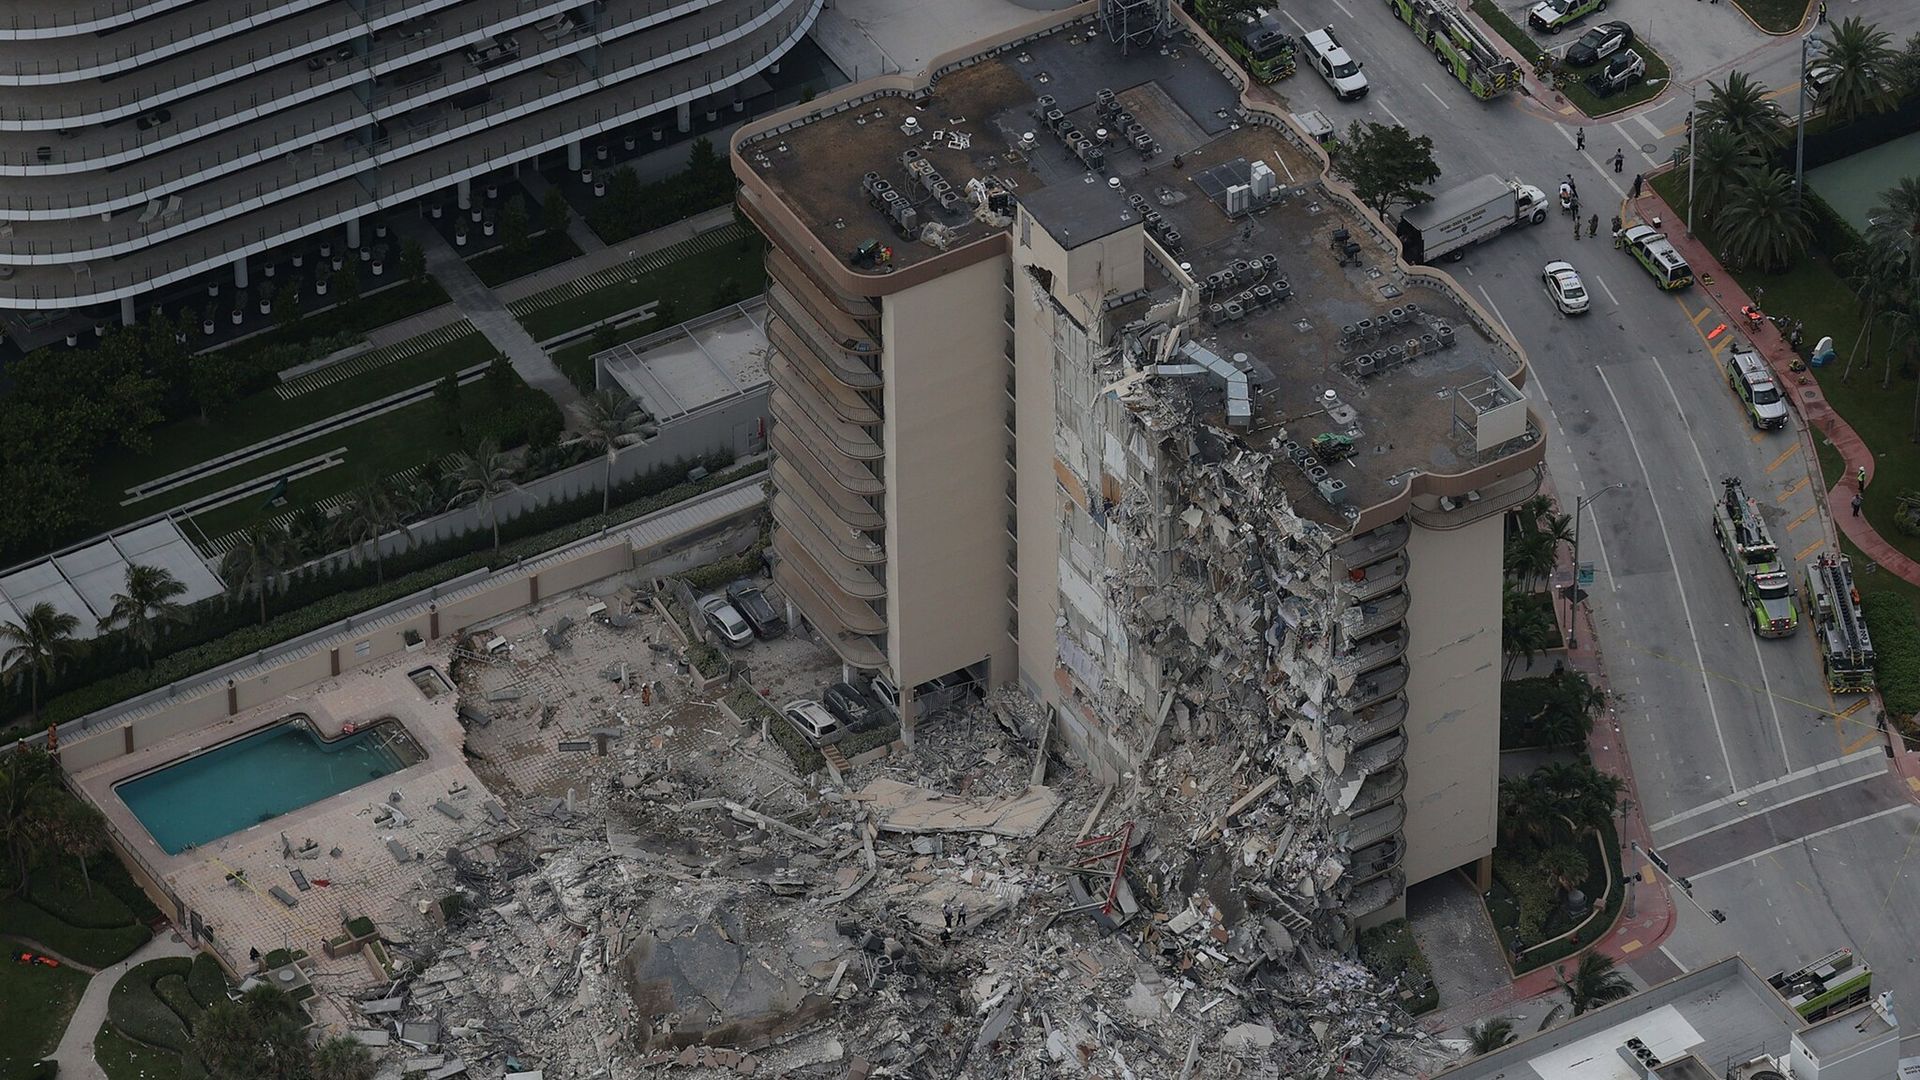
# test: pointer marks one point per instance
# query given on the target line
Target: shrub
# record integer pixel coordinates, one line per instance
(58, 887)
(206, 981)
(1391, 952)
(716, 574)
(860, 742)
(806, 760)
(135, 1009)
(1896, 644)
(172, 990)
(360, 926)
(631, 207)
(94, 947)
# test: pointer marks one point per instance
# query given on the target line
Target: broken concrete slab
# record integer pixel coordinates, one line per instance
(905, 808)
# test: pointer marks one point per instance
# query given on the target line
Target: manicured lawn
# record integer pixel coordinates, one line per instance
(497, 267)
(692, 285)
(262, 416)
(93, 946)
(35, 1002)
(390, 304)
(1574, 86)
(123, 1059)
(1776, 16)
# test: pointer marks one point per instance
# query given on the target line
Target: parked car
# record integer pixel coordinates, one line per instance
(753, 605)
(813, 721)
(1599, 43)
(1554, 16)
(724, 620)
(1565, 288)
(1330, 59)
(882, 690)
(1625, 69)
(852, 705)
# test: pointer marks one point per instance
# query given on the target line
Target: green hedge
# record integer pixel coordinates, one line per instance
(860, 742)
(806, 760)
(94, 947)
(499, 266)
(172, 989)
(1595, 929)
(207, 982)
(724, 572)
(315, 601)
(355, 317)
(57, 887)
(135, 1009)
(1896, 645)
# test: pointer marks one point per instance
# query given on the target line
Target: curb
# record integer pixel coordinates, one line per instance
(1741, 7)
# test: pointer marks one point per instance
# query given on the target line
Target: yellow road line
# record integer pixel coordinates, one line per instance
(1782, 459)
(1860, 743)
(1629, 946)
(1754, 688)
(1913, 783)
(1802, 519)
(1698, 315)
(1853, 708)
(1808, 550)
(1792, 490)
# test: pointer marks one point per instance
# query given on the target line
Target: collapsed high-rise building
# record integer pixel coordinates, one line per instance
(1090, 381)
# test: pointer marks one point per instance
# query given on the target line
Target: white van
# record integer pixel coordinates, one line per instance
(1752, 382)
(1341, 71)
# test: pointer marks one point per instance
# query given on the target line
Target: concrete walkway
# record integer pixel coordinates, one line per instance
(1804, 392)
(75, 1054)
(578, 230)
(609, 256)
(489, 314)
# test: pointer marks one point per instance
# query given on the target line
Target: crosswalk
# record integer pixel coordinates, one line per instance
(631, 269)
(333, 374)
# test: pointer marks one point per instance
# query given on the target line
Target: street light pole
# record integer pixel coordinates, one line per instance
(1800, 125)
(1580, 505)
(1693, 123)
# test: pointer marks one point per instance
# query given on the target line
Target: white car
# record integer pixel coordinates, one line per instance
(1330, 59)
(725, 621)
(812, 720)
(1564, 286)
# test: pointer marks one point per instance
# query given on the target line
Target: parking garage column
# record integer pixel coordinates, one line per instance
(353, 232)
(240, 272)
(685, 116)
(126, 311)
(464, 192)
(573, 156)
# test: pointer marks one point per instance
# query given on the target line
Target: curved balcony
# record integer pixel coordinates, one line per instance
(830, 506)
(847, 586)
(1375, 579)
(1382, 720)
(491, 136)
(820, 397)
(1378, 756)
(858, 650)
(1369, 862)
(1374, 545)
(828, 435)
(1375, 895)
(787, 331)
(1378, 790)
(1375, 615)
(791, 511)
(1375, 651)
(1494, 498)
(813, 589)
(858, 312)
(836, 327)
(1377, 686)
(854, 479)
(1365, 830)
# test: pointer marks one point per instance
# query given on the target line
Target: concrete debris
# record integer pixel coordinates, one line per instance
(908, 809)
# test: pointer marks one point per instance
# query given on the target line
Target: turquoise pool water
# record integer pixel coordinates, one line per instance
(258, 778)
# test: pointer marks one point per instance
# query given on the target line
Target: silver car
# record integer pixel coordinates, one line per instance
(1564, 286)
(725, 621)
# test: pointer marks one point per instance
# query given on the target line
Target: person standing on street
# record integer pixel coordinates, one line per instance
(1823, 11)
(1860, 479)
(1638, 179)
(1579, 138)
(1593, 226)
(1857, 500)
(1619, 161)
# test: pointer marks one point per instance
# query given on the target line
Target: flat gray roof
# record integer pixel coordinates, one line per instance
(1719, 1013)
(81, 582)
(679, 371)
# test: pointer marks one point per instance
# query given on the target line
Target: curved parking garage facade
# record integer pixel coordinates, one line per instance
(145, 144)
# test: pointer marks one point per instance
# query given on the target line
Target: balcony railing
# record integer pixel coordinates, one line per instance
(833, 509)
(857, 649)
(853, 478)
(824, 432)
(1377, 686)
(1379, 789)
(790, 509)
(1377, 579)
(849, 369)
(1365, 830)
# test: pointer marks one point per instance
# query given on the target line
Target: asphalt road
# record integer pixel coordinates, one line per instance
(1770, 795)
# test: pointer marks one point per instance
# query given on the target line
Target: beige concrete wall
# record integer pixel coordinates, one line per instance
(946, 473)
(1453, 694)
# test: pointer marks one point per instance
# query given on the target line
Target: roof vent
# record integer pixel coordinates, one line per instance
(910, 126)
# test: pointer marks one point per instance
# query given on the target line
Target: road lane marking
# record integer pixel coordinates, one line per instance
(1801, 556)
(1647, 125)
(1751, 814)
(1792, 490)
(1668, 953)
(1817, 834)
(1495, 308)
(1343, 8)
(1698, 315)
(1605, 289)
(1853, 708)
(1782, 459)
(1429, 90)
(1766, 684)
(1389, 112)
(1686, 609)
(1769, 785)
(1802, 519)
(1871, 736)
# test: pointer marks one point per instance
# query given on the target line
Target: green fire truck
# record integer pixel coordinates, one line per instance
(1840, 628)
(1751, 553)
(1459, 47)
(1832, 984)
(1258, 40)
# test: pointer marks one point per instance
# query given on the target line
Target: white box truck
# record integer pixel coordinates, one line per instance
(1477, 210)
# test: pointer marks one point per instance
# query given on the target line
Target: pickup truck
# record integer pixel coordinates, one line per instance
(1476, 211)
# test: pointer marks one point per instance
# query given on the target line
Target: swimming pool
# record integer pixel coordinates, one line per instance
(257, 778)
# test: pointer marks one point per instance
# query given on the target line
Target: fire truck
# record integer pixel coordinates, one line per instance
(1840, 627)
(1765, 586)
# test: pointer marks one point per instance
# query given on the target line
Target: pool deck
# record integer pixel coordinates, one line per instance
(365, 878)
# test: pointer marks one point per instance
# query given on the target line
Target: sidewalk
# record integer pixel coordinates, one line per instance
(1805, 392)
(75, 1053)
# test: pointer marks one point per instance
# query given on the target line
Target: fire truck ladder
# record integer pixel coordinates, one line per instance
(1441, 27)
(1848, 631)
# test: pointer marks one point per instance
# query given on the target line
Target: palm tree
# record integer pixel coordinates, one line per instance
(1741, 105)
(1526, 629)
(309, 532)
(1893, 226)
(31, 802)
(255, 563)
(1563, 866)
(341, 1058)
(146, 605)
(1864, 69)
(1594, 983)
(370, 512)
(1579, 791)
(1765, 222)
(482, 477)
(1490, 1035)
(609, 420)
(1720, 160)
(35, 647)
(1870, 270)
(1524, 813)
(1530, 556)
(80, 831)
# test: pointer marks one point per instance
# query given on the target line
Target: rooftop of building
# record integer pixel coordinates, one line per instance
(1315, 272)
(679, 371)
(1722, 1013)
